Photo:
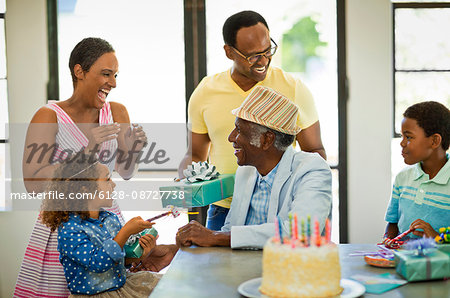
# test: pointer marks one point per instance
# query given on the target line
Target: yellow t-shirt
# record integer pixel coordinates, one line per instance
(210, 108)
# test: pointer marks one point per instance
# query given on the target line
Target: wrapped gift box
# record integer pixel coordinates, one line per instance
(444, 248)
(197, 194)
(135, 250)
(413, 267)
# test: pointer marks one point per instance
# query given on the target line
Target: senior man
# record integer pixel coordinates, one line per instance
(272, 178)
(248, 44)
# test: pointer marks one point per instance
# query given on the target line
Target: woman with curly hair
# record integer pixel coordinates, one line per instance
(90, 238)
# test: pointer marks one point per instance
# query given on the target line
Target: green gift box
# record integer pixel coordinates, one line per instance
(135, 250)
(445, 247)
(202, 193)
(413, 267)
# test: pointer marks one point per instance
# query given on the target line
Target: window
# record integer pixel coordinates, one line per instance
(151, 78)
(4, 105)
(148, 39)
(147, 53)
(421, 60)
(421, 55)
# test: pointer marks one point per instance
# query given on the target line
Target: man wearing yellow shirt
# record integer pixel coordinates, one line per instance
(249, 45)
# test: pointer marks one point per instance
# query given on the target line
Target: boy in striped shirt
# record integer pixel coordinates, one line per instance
(421, 193)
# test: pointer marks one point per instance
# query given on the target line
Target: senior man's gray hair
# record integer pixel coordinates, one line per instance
(282, 140)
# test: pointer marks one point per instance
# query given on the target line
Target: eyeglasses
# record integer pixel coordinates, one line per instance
(252, 59)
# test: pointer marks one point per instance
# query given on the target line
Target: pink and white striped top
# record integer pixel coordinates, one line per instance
(41, 273)
(70, 136)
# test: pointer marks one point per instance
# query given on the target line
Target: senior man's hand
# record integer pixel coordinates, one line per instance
(195, 234)
(159, 258)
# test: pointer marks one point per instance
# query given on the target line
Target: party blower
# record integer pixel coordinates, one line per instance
(173, 211)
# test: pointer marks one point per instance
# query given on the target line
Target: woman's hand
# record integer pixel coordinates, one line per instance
(135, 138)
(147, 242)
(428, 230)
(101, 134)
(131, 141)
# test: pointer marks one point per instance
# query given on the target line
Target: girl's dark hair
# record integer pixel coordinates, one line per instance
(73, 177)
(86, 52)
(432, 117)
(246, 18)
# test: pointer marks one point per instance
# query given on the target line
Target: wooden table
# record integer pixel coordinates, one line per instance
(218, 272)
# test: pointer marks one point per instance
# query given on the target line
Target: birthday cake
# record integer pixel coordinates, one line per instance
(300, 270)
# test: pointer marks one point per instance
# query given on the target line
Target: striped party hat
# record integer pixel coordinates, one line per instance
(269, 108)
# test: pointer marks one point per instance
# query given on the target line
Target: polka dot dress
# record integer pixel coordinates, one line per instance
(93, 262)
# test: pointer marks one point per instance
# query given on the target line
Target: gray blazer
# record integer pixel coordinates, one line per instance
(302, 185)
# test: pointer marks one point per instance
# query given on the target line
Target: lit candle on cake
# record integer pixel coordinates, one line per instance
(308, 230)
(295, 226)
(277, 231)
(280, 230)
(290, 226)
(303, 231)
(292, 234)
(316, 231)
(327, 230)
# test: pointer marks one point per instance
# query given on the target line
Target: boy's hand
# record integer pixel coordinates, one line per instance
(428, 230)
(147, 242)
(391, 230)
(136, 225)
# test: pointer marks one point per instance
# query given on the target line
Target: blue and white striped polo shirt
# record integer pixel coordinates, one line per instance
(415, 196)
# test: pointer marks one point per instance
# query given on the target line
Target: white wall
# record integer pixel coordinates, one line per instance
(369, 69)
(369, 120)
(27, 60)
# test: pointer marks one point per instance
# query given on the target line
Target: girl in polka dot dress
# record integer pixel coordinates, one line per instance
(90, 239)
